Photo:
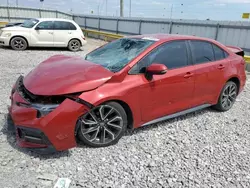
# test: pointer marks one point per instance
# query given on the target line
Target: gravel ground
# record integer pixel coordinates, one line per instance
(202, 149)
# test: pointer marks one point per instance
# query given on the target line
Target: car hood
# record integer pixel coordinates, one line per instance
(15, 28)
(64, 75)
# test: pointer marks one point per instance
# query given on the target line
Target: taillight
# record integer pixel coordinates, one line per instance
(83, 38)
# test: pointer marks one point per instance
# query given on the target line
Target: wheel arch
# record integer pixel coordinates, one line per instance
(75, 39)
(127, 109)
(236, 80)
(20, 37)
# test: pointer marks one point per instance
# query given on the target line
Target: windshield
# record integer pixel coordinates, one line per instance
(29, 23)
(116, 55)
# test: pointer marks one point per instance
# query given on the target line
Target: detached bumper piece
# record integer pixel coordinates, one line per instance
(34, 139)
(45, 124)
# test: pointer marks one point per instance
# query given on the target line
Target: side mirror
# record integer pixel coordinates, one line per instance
(38, 27)
(156, 69)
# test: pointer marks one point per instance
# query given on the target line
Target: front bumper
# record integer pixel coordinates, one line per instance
(4, 41)
(55, 130)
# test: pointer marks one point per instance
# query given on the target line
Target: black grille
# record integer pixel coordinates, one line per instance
(28, 96)
(32, 135)
(31, 98)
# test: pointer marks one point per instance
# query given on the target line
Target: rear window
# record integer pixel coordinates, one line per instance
(202, 51)
(218, 53)
(62, 25)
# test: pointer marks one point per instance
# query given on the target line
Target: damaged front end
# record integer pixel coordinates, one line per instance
(43, 104)
(45, 121)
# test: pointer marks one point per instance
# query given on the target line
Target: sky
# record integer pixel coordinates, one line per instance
(177, 9)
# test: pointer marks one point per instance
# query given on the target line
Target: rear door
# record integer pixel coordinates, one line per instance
(171, 92)
(64, 31)
(211, 66)
(42, 34)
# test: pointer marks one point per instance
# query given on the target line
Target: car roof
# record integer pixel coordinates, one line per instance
(164, 37)
(54, 19)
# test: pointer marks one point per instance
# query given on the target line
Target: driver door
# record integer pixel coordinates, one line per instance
(171, 92)
(43, 34)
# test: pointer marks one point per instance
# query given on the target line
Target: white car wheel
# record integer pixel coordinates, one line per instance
(74, 45)
(18, 43)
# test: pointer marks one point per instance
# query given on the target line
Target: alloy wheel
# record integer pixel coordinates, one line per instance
(74, 45)
(18, 43)
(229, 96)
(101, 125)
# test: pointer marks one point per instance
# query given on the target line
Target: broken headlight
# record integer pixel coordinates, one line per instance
(44, 109)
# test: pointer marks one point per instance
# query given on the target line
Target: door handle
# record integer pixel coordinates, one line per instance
(69, 32)
(51, 33)
(221, 66)
(188, 75)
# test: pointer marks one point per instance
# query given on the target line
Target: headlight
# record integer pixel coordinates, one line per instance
(44, 109)
(6, 34)
(1, 32)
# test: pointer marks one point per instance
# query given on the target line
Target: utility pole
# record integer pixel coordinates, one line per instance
(121, 8)
(106, 7)
(8, 3)
(171, 13)
(16, 3)
(130, 8)
(42, 3)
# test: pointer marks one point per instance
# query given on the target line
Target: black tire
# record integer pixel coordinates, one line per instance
(18, 43)
(74, 45)
(227, 97)
(97, 138)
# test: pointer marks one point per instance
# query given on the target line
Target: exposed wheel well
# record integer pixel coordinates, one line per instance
(75, 39)
(236, 81)
(128, 112)
(20, 37)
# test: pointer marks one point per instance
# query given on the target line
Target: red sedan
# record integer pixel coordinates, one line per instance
(125, 84)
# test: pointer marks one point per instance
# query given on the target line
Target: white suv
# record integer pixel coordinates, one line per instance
(43, 32)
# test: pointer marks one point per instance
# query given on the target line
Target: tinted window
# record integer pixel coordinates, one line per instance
(46, 25)
(202, 51)
(173, 55)
(218, 53)
(61, 25)
(226, 54)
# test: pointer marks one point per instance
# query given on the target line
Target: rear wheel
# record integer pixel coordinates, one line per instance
(18, 43)
(74, 45)
(227, 97)
(104, 125)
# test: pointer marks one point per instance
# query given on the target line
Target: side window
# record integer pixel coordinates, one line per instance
(218, 53)
(202, 51)
(46, 25)
(61, 25)
(226, 54)
(172, 54)
(72, 26)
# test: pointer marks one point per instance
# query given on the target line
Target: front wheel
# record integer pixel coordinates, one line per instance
(227, 97)
(104, 125)
(18, 43)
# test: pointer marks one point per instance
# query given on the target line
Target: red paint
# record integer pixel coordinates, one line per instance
(63, 74)
(157, 69)
(174, 91)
